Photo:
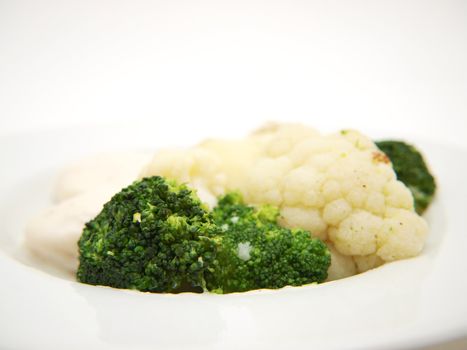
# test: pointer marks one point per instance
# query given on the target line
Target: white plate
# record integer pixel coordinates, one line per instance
(406, 304)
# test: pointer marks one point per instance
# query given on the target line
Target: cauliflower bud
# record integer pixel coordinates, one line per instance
(339, 187)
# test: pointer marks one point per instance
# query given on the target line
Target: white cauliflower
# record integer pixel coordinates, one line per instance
(340, 187)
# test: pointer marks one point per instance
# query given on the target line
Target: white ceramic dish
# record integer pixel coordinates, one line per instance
(408, 304)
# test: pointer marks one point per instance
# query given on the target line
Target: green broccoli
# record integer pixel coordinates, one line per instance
(255, 252)
(157, 236)
(411, 169)
(152, 236)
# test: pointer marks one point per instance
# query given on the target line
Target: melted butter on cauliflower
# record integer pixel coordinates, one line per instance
(340, 187)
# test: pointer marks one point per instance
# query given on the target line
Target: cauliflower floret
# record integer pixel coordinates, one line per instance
(356, 235)
(263, 182)
(197, 167)
(341, 265)
(188, 165)
(340, 187)
(398, 195)
(303, 178)
(308, 219)
(402, 234)
(280, 139)
(336, 211)
(367, 262)
(233, 157)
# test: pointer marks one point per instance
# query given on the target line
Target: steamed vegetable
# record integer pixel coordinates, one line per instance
(340, 187)
(255, 252)
(156, 236)
(411, 169)
(152, 236)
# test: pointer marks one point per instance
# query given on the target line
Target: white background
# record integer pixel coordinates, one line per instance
(229, 65)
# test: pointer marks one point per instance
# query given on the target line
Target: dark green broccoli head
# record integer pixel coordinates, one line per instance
(151, 236)
(255, 252)
(156, 236)
(411, 169)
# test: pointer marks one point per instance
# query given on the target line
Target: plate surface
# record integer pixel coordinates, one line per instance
(407, 304)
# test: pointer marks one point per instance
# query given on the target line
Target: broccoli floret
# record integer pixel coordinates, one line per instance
(157, 236)
(152, 236)
(255, 252)
(411, 169)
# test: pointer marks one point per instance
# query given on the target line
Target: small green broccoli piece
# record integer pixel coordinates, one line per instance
(255, 252)
(152, 236)
(411, 169)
